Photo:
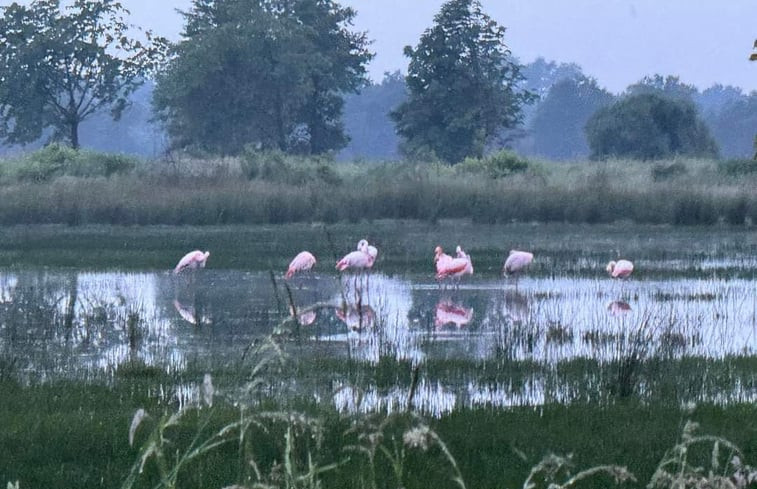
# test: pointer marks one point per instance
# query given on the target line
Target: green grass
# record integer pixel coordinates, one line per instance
(288, 189)
(75, 435)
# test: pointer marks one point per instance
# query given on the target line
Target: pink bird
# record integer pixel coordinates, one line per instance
(302, 262)
(193, 259)
(620, 269)
(447, 266)
(441, 260)
(359, 259)
(517, 261)
(461, 254)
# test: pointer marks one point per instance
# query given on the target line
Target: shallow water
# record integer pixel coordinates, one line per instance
(84, 325)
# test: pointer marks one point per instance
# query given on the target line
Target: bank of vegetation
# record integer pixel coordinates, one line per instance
(61, 185)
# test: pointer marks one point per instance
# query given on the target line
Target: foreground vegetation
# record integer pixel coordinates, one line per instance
(59, 185)
(75, 435)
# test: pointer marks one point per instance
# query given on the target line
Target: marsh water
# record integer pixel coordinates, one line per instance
(485, 341)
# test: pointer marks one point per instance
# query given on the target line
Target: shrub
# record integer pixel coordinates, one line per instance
(662, 172)
(649, 126)
(57, 160)
(497, 165)
(736, 167)
(48, 162)
(276, 166)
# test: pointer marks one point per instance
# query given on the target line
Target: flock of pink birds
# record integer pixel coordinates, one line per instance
(365, 256)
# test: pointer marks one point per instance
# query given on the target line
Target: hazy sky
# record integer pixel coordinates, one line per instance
(616, 41)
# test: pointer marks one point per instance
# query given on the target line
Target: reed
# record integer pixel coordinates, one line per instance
(274, 188)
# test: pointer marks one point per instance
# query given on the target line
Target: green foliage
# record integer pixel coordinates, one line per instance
(276, 166)
(56, 160)
(662, 171)
(60, 68)
(501, 164)
(463, 85)
(649, 126)
(264, 73)
(738, 167)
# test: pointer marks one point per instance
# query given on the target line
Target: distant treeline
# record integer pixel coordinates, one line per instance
(553, 127)
(60, 185)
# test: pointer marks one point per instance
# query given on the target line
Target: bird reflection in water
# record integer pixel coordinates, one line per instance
(515, 306)
(618, 308)
(357, 318)
(447, 312)
(188, 313)
(305, 318)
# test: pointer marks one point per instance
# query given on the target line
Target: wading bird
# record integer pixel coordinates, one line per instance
(360, 259)
(446, 266)
(302, 262)
(620, 268)
(516, 263)
(193, 259)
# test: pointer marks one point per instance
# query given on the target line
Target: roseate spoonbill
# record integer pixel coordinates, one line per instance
(302, 262)
(440, 259)
(373, 251)
(360, 259)
(620, 268)
(517, 261)
(461, 254)
(446, 266)
(193, 259)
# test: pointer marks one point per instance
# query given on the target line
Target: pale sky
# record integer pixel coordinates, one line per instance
(617, 41)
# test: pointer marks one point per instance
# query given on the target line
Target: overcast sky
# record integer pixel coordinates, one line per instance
(616, 41)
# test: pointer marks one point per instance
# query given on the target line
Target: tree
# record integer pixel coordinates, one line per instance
(753, 57)
(732, 125)
(649, 126)
(558, 124)
(668, 86)
(58, 68)
(462, 83)
(270, 74)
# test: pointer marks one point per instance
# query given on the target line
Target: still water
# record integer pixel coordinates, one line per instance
(67, 324)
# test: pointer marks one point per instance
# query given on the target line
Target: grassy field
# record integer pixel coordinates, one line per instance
(63, 187)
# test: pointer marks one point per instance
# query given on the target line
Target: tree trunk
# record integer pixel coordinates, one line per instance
(74, 133)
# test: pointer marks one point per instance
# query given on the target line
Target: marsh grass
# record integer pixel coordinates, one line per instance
(274, 188)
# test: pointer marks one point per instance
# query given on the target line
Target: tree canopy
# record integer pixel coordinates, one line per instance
(462, 83)
(270, 74)
(60, 66)
(649, 126)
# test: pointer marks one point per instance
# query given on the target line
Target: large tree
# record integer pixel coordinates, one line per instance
(59, 66)
(462, 83)
(270, 74)
(649, 126)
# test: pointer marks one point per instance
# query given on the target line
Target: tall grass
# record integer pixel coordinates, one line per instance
(273, 188)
